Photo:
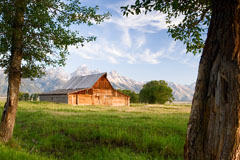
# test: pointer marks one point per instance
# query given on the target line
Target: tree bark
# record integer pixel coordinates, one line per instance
(214, 129)
(14, 73)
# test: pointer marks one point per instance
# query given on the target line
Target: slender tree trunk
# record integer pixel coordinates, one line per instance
(214, 128)
(14, 73)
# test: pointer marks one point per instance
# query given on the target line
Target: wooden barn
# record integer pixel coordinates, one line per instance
(92, 89)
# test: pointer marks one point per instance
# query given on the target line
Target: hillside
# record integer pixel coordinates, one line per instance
(182, 92)
(57, 77)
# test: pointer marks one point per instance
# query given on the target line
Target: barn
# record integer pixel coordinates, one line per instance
(92, 89)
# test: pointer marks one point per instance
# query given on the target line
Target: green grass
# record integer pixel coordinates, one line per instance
(57, 131)
(9, 153)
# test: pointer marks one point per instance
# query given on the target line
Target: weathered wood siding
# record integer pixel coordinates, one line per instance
(102, 83)
(119, 101)
(84, 99)
(54, 98)
(102, 93)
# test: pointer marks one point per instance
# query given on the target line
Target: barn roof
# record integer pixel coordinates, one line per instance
(61, 91)
(78, 83)
(83, 82)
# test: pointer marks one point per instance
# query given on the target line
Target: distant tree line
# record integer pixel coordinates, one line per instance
(27, 97)
(152, 92)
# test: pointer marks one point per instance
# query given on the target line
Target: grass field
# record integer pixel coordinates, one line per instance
(57, 131)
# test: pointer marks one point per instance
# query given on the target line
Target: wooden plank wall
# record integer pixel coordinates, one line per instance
(84, 99)
(54, 98)
(120, 101)
(80, 99)
(99, 97)
(102, 93)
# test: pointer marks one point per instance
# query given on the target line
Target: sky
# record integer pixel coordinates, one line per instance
(138, 47)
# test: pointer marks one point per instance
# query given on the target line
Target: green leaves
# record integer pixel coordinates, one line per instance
(195, 16)
(46, 32)
(156, 92)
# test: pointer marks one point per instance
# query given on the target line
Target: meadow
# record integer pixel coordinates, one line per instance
(58, 131)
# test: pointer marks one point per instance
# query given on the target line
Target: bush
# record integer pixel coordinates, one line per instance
(34, 97)
(23, 96)
(156, 92)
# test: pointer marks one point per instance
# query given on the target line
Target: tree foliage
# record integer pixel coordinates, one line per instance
(46, 32)
(195, 14)
(156, 92)
(34, 97)
(134, 97)
(35, 34)
(23, 96)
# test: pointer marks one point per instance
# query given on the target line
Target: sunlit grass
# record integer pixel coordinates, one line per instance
(101, 132)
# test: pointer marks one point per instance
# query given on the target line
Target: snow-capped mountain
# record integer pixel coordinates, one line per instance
(54, 79)
(117, 81)
(57, 77)
(83, 70)
(182, 92)
(26, 86)
(122, 82)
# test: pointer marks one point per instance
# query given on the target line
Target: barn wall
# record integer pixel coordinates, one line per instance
(80, 99)
(102, 83)
(54, 98)
(120, 101)
(102, 93)
(84, 99)
(105, 94)
(110, 97)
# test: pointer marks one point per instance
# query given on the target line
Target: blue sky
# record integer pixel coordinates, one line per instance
(138, 47)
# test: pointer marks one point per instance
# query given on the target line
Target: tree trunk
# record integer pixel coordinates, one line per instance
(213, 129)
(14, 73)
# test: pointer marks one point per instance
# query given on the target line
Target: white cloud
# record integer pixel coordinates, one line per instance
(112, 60)
(101, 50)
(153, 22)
(131, 46)
(172, 47)
(82, 52)
(126, 39)
(116, 6)
(140, 22)
(152, 58)
(115, 53)
(131, 59)
(140, 41)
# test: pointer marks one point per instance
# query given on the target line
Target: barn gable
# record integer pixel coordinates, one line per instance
(83, 82)
(102, 83)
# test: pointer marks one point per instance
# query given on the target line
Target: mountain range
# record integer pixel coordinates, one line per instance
(57, 77)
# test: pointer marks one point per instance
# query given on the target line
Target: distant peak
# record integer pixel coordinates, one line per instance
(83, 70)
(114, 71)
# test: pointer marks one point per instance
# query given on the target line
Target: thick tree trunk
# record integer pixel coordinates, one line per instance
(14, 73)
(214, 128)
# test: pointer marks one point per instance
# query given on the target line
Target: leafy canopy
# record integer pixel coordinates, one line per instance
(46, 32)
(134, 97)
(196, 18)
(156, 92)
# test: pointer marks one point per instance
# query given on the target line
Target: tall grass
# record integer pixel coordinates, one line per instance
(101, 132)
